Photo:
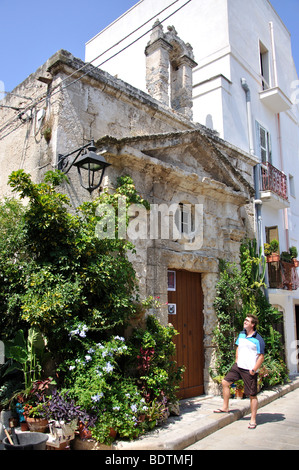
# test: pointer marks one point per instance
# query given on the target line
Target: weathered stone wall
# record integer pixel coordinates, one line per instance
(169, 64)
(73, 111)
(161, 182)
(22, 121)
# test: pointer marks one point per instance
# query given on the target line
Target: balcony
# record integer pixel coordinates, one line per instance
(274, 190)
(283, 275)
(275, 100)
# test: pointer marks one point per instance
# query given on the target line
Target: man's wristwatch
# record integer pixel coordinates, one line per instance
(252, 370)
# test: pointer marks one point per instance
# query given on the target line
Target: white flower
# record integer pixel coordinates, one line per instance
(81, 331)
(109, 367)
(97, 397)
(121, 338)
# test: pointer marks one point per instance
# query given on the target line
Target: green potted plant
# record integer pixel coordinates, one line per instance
(286, 257)
(26, 355)
(294, 255)
(271, 251)
(32, 405)
(239, 389)
(34, 418)
(63, 415)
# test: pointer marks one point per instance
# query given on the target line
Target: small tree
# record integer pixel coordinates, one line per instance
(228, 308)
(80, 290)
(57, 273)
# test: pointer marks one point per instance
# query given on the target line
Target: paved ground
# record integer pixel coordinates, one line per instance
(278, 429)
(197, 420)
(198, 428)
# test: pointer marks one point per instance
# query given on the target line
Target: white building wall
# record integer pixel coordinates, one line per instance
(130, 64)
(286, 304)
(223, 33)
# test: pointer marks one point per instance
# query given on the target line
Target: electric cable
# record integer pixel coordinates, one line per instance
(90, 63)
(124, 48)
(119, 42)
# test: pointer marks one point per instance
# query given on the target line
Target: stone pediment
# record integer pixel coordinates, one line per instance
(193, 154)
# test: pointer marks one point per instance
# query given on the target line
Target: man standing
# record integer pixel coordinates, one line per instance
(249, 358)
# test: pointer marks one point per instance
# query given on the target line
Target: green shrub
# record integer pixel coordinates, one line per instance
(240, 292)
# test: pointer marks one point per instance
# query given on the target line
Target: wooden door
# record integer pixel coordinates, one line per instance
(185, 307)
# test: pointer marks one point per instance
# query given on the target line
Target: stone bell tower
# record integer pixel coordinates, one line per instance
(169, 64)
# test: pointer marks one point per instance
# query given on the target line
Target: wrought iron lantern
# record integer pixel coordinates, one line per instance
(90, 165)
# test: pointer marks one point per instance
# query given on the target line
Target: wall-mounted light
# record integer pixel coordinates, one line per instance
(90, 165)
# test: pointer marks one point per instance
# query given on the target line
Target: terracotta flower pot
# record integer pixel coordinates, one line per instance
(84, 432)
(239, 393)
(113, 433)
(24, 426)
(37, 424)
(273, 258)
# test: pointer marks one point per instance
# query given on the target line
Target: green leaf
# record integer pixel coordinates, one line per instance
(12, 368)
(17, 353)
(35, 339)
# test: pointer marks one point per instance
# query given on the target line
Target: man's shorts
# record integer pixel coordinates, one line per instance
(250, 381)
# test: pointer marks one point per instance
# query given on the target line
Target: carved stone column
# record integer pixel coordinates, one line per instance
(157, 65)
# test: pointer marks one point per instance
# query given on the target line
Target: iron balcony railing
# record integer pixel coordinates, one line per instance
(274, 180)
(283, 275)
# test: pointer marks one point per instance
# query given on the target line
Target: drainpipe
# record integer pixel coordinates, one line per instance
(285, 211)
(249, 116)
(274, 67)
(256, 175)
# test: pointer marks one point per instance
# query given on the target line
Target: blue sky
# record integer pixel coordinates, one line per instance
(33, 30)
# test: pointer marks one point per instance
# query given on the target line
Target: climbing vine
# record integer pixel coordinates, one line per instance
(240, 291)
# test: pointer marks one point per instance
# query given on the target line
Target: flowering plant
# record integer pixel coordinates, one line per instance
(96, 382)
(32, 402)
(122, 409)
(158, 373)
(272, 372)
(60, 408)
(89, 375)
(31, 411)
(152, 302)
(124, 385)
(118, 400)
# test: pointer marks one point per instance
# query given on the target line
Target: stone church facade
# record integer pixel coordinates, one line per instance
(174, 162)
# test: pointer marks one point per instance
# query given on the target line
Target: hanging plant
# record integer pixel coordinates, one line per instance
(47, 130)
(47, 133)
